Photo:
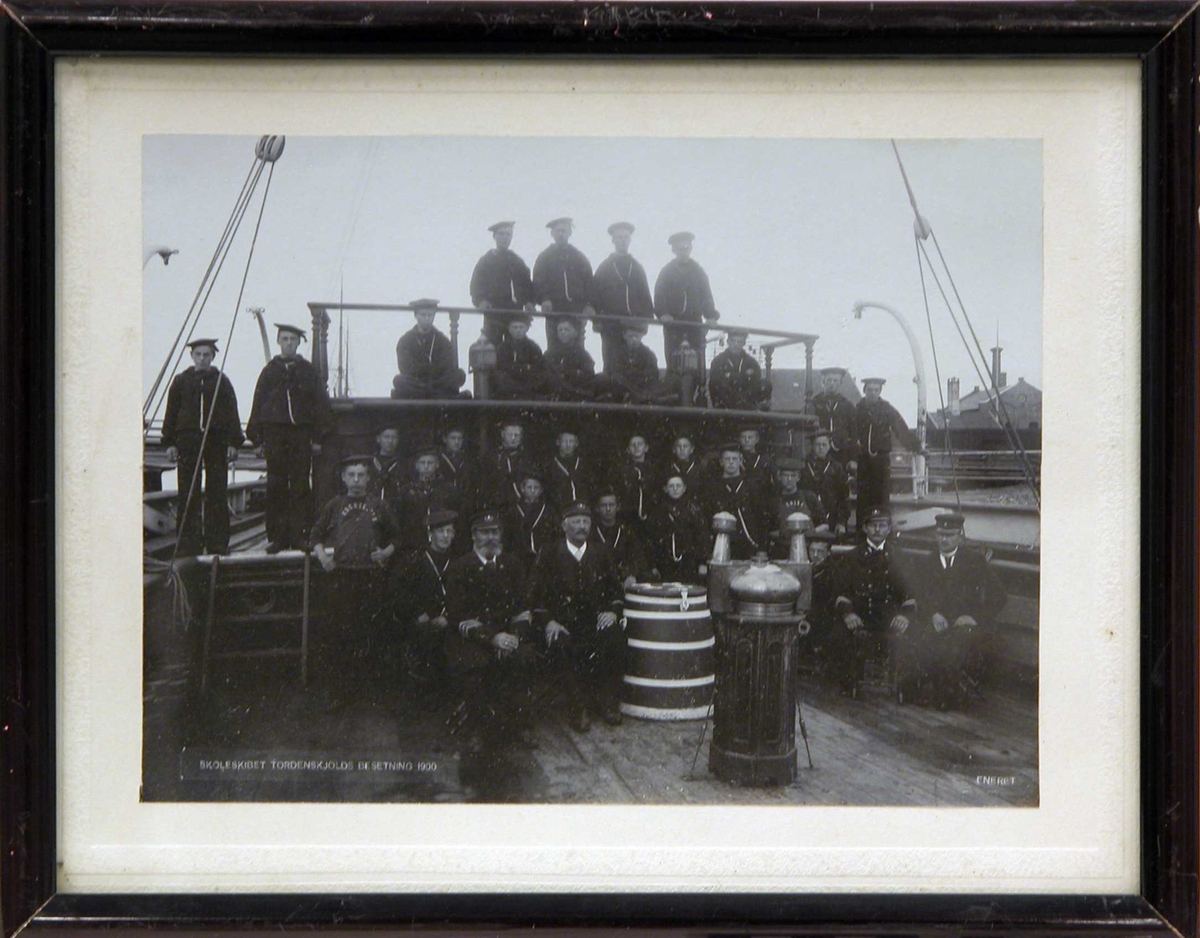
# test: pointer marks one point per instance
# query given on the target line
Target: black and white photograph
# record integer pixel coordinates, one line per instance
(591, 470)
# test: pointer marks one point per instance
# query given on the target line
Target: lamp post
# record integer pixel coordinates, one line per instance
(920, 477)
(686, 362)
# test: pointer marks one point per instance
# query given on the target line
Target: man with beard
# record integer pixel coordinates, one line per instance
(491, 645)
(500, 281)
(678, 533)
(199, 398)
(562, 279)
(959, 597)
(827, 477)
(619, 288)
(622, 541)
(422, 495)
(576, 598)
(425, 359)
(682, 295)
(419, 589)
(875, 423)
(745, 498)
(735, 380)
(873, 608)
(835, 415)
(287, 421)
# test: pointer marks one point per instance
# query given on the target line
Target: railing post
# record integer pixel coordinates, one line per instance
(454, 334)
(320, 346)
(808, 379)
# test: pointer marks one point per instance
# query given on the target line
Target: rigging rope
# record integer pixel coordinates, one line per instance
(221, 372)
(241, 210)
(158, 380)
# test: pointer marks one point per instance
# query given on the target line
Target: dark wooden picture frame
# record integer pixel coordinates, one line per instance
(1163, 36)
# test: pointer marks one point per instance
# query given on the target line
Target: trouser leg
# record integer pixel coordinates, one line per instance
(299, 496)
(189, 521)
(216, 501)
(275, 449)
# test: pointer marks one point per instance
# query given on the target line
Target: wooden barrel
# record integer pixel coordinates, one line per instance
(669, 665)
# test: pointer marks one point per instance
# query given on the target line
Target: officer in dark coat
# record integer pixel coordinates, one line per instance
(491, 645)
(682, 294)
(827, 477)
(425, 359)
(419, 597)
(562, 278)
(200, 391)
(619, 288)
(500, 281)
(287, 421)
(735, 379)
(874, 605)
(746, 498)
(621, 539)
(576, 598)
(836, 415)
(876, 422)
(959, 597)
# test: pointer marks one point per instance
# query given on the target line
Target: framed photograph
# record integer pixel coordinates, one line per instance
(595, 466)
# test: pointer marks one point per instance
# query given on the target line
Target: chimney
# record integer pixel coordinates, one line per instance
(952, 396)
(999, 378)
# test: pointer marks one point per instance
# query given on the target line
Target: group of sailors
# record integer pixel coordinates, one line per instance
(563, 286)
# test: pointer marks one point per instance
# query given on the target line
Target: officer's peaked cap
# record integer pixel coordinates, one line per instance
(951, 521)
(577, 509)
(489, 518)
(878, 513)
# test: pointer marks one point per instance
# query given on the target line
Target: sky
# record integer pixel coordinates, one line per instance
(791, 232)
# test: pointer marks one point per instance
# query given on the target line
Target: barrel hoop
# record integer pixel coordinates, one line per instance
(671, 646)
(646, 614)
(664, 600)
(670, 682)
(674, 713)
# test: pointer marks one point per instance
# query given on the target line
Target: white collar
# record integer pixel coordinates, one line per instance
(576, 552)
(483, 560)
(947, 559)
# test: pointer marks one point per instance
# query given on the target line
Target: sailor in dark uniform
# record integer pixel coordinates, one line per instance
(576, 598)
(455, 467)
(754, 462)
(562, 279)
(287, 422)
(823, 475)
(491, 645)
(621, 539)
(425, 359)
(682, 295)
(619, 288)
(419, 591)
(202, 397)
(500, 486)
(746, 498)
(388, 473)
(531, 522)
(959, 597)
(635, 480)
(735, 379)
(678, 534)
(790, 498)
(836, 415)
(635, 370)
(685, 465)
(571, 372)
(571, 474)
(820, 619)
(520, 372)
(422, 495)
(874, 605)
(875, 423)
(500, 281)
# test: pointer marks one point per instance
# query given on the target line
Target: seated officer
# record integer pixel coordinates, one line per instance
(520, 373)
(635, 370)
(490, 643)
(571, 371)
(744, 497)
(354, 538)
(735, 379)
(425, 360)
(419, 591)
(873, 606)
(623, 542)
(959, 597)
(576, 597)
(530, 522)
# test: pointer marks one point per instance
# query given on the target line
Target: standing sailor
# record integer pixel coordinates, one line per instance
(682, 294)
(619, 288)
(287, 421)
(500, 281)
(195, 394)
(875, 422)
(835, 414)
(826, 477)
(562, 279)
